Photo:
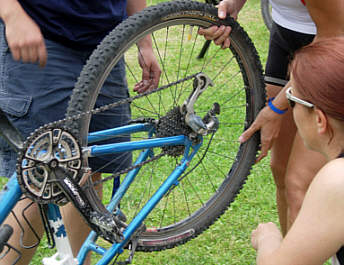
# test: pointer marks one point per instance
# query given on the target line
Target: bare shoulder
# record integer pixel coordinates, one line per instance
(321, 216)
(331, 177)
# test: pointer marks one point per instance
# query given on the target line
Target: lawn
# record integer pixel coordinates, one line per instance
(228, 240)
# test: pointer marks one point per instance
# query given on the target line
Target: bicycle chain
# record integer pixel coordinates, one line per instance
(120, 102)
(75, 117)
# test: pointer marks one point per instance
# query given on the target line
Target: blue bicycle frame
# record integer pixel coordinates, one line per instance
(12, 192)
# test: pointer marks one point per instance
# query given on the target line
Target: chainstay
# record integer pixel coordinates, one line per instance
(115, 104)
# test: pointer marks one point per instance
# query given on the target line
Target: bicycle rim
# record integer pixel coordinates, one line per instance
(218, 171)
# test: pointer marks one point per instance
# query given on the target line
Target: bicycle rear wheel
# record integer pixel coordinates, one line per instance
(221, 166)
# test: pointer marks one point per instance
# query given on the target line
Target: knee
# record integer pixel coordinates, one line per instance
(295, 188)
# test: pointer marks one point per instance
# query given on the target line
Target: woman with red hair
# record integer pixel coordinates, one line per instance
(316, 98)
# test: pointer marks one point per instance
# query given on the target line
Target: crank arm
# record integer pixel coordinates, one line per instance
(103, 222)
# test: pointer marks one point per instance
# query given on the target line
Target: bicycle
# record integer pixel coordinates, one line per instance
(182, 136)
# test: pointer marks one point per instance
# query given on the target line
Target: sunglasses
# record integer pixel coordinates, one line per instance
(292, 99)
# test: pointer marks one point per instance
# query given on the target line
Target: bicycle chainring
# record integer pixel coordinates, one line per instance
(46, 150)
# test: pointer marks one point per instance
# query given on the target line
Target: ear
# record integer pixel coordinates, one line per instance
(321, 121)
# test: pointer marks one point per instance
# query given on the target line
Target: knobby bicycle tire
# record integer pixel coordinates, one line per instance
(206, 191)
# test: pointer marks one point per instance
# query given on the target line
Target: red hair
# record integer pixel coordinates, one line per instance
(318, 73)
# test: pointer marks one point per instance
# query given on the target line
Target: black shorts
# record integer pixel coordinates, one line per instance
(283, 43)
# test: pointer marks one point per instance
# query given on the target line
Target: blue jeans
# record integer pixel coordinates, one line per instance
(31, 96)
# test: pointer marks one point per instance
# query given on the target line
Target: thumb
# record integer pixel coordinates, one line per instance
(222, 10)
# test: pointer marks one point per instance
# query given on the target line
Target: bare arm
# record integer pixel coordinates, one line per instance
(269, 124)
(231, 7)
(150, 66)
(318, 231)
(328, 16)
(134, 6)
(23, 35)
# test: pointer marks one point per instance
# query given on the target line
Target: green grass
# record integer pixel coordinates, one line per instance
(228, 240)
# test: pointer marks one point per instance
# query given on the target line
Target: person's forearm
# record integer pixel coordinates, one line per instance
(134, 6)
(241, 3)
(280, 101)
(328, 16)
(23, 35)
(8, 8)
(231, 7)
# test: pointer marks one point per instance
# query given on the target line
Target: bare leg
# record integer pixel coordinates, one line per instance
(279, 159)
(28, 237)
(302, 166)
(77, 229)
(280, 152)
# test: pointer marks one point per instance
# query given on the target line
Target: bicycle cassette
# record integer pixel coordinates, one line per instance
(46, 151)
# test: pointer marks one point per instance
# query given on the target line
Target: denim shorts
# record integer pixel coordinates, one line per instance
(32, 96)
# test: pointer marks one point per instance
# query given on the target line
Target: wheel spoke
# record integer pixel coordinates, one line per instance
(221, 160)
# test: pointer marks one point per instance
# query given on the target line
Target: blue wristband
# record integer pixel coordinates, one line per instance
(274, 109)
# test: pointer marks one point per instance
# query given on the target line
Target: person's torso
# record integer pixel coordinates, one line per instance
(76, 23)
(293, 15)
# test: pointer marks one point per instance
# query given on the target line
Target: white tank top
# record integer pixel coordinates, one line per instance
(293, 15)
